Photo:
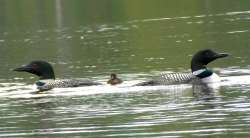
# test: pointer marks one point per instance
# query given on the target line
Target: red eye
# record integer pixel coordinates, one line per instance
(34, 66)
(207, 53)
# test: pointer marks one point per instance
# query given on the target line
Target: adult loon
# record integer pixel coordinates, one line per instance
(114, 80)
(47, 79)
(200, 73)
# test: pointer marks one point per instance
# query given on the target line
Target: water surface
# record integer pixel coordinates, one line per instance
(137, 40)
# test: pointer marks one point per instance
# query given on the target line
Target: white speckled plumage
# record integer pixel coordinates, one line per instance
(176, 78)
(64, 83)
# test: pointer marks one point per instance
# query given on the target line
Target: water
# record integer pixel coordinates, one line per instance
(137, 40)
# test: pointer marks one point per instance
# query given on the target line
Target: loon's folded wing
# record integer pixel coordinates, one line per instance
(74, 83)
(170, 78)
(176, 78)
(86, 83)
(44, 85)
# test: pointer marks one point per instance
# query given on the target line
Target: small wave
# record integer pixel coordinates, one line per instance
(17, 90)
(29, 91)
(237, 12)
(237, 31)
(189, 17)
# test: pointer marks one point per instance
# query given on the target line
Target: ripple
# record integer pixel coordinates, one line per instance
(239, 31)
(193, 17)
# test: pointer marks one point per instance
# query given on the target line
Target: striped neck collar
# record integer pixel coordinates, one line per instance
(203, 73)
(44, 85)
(42, 82)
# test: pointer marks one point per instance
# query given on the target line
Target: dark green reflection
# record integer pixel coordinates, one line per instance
(92, 37)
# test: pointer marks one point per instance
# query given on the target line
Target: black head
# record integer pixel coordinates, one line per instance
(113, 76)
(203, 57)
(40, 68)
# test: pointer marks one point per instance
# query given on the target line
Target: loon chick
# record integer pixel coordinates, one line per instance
(47, 79)
(114, 80)
(199, 74)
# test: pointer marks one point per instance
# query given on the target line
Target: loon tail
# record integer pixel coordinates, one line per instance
(170, 79)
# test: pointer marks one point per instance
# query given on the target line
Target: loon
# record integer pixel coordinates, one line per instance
(47, 81)
(200, 73)
(114, 80)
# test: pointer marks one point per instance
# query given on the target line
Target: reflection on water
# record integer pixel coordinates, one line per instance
(125, 110)
(149, 112)
(137, 40)
(130, 46)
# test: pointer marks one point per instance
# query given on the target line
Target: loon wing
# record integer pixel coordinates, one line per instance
(176, 78)
(170, 78)
(85, 83)
(74, 83)
(44, 85)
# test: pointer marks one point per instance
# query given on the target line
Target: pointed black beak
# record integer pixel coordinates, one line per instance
(222, 55)
(23, 69)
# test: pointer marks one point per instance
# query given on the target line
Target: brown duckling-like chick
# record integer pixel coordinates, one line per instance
(114, 80)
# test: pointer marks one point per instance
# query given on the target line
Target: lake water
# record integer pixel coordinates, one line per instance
(137, 40)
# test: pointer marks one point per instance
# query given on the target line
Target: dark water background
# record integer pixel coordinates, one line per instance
(136, 39)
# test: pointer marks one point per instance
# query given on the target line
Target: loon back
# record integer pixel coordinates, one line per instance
(65, 83)
(170, 78)
(177, 78)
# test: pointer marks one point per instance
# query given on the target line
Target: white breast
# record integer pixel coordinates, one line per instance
(211, 79)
